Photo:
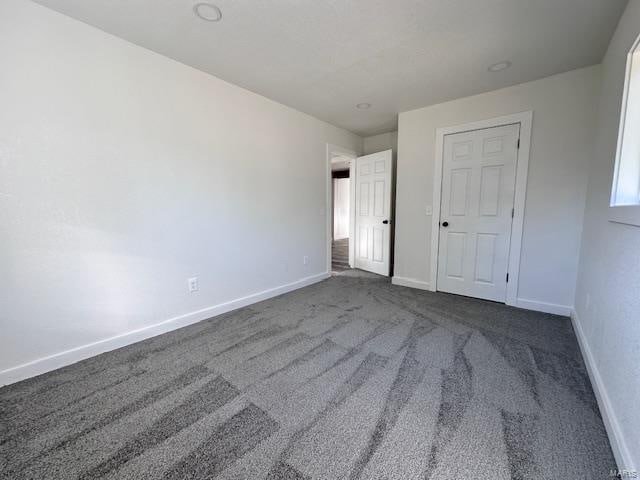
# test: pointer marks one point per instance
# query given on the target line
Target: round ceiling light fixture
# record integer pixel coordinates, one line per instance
(497, 67)
(363, 106)
(207, 11)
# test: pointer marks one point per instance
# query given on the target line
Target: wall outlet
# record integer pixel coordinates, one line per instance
(193, 284)
(305, 260)
(428, 210)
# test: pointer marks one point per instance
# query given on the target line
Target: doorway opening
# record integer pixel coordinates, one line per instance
(340, 206)
(360, 196)
(341, 183)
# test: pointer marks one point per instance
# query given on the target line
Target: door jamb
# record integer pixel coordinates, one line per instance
(335, 150)
(525, 119)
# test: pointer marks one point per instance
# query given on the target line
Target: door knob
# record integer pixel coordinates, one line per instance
(386, 222)
(445, 224)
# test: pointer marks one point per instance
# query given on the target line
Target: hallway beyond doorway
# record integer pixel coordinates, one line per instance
(340, 255)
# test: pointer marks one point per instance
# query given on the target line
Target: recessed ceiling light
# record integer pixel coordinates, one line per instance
(207, 11)
(363, 106)
(496, 67)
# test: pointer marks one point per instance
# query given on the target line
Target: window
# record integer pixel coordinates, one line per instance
(625, 195)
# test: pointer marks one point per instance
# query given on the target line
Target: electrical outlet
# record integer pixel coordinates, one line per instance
(305, 260)
(428, 210)
(193, 284)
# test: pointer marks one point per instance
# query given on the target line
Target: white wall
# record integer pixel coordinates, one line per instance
(564, 108)
(608, 293)
(123, 173)
(380, 143)
(341, 195)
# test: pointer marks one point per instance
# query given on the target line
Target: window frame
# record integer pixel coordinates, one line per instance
(627, 214)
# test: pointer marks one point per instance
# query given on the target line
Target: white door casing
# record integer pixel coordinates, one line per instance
(334, 151)
(373, 212)
(476, 211)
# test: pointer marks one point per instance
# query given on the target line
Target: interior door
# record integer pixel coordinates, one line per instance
(476, 211)
(373, 212)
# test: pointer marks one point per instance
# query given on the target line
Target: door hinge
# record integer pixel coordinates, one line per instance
(518, 144)
(513, 212)
(507, 278)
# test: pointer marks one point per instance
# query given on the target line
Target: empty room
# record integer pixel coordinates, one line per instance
(320, 240)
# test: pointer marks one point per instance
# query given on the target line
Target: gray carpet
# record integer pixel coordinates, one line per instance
(351, 378)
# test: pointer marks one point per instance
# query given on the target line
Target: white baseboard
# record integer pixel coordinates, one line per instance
(410, 282)
(62, 359)
(564, 310)
(618, 445)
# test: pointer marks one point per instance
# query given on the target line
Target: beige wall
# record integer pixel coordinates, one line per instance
(380, 143)
(565, 107)
(608, 294)
(122, 174)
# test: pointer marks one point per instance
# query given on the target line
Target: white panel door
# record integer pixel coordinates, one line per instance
(373, 212)
(476, 211)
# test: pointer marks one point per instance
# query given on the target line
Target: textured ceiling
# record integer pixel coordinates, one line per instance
(325, 56)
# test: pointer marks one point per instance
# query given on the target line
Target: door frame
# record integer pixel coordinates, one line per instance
(525, 119)
(333, 151)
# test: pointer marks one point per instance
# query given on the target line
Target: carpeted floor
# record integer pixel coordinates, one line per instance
(351, 378)
(340, 255)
